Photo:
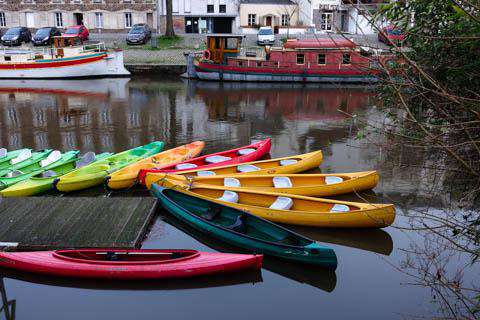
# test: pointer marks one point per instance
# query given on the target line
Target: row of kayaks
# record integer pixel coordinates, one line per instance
(231, 196)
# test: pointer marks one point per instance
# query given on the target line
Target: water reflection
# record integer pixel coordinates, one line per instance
(315, 276)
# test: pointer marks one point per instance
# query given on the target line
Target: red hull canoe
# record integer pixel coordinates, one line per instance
(248, 153)
(128, 264)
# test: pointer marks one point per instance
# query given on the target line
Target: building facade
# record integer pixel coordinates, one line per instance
(202, 16)
(96, 15)
(282, 15)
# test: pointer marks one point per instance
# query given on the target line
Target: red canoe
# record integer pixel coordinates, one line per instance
(239, 155)
(128, 264)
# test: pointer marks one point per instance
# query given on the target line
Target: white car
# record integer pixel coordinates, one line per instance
(265, 36)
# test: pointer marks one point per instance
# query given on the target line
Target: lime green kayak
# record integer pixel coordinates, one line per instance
(26, 161)
(95, 173)
(43, 182)
(54, 159)
(6, 156)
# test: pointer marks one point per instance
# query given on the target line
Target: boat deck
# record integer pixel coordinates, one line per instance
(65, 222)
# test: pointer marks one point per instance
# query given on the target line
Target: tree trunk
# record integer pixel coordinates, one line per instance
(169, 32)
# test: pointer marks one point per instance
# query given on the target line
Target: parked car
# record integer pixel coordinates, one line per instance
(77, 31)
(391, 34)
(44, 36)
(265, 36)
(15, 36)
(140, 33)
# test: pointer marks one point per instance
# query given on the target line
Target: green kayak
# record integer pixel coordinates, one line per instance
(6, 156)
(42, 182)
(26, 161)
(95, 173)
(54, 159)
(243, 230)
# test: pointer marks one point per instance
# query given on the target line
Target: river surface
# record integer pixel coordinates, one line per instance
(116, 114)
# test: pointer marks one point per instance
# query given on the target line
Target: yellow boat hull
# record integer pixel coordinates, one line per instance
(126, 177)
(304, 162)
(306, 211)
(302, 184)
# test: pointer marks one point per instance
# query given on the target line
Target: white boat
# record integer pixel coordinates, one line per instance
(68, 58)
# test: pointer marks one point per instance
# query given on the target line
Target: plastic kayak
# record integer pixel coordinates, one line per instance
(94, 174)
(24, 159)
(127, 176)
(300, 184)
(248, 153)
(43, 182)
(244, 230)
(292, 164)
(128, 264)
(293, 209)
(53, 160)
(6, 156)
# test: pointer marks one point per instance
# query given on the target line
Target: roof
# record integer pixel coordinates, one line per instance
(279, 2)
(319, 43)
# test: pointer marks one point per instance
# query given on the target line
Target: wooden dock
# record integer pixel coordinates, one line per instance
(67, 222)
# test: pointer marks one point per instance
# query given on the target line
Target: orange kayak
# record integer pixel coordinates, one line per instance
(127, 176)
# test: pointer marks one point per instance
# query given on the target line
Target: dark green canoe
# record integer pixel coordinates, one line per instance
(243, 229)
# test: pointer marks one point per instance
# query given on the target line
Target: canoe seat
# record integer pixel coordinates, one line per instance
(3, 152)
(333, 179)
(282, 203)
(185, 166)
(205, 173)
(54, 156)
(339, 208)
(244, 152)
(239, 225)
(229, 196)
(216, 159)
(48, 174)
(287, 162)
(86, 159)
(13, 174)
(247, 168)
(231, 182)
(282, 182)
(22, 156)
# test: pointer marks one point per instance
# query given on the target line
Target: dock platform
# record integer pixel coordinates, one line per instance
(42, 223)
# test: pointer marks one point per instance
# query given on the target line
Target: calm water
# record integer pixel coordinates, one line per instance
(113, 115)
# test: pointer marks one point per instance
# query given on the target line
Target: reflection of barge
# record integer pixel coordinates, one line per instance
(68, 58)
(313, 60)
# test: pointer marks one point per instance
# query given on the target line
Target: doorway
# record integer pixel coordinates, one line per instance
(150, 19)
(78, 18)
(268, 21)
(30, 19)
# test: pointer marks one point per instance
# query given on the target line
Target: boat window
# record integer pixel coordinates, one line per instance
(300, 58)
(321, 59)
(217, 43)
(346, 58)
(8, 58)
(240, 63)
(259, 64)
(232, 43)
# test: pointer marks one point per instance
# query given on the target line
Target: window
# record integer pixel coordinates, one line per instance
(346, 58)
(97, 1)
(128, 20)
(3, 22)
(98, 20)
(252, 19)
(285, 20)
(300, 58)
(322, 59)
(58, 19)
(210, 8)
(222, 8)
(326, 22)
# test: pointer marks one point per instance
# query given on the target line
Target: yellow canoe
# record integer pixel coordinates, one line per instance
(294, 209)
(127, 176)
(319, 185)
(292, 164)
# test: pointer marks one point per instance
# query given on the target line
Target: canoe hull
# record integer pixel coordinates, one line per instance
(327, 257)
(206, 263)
